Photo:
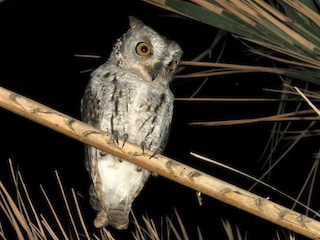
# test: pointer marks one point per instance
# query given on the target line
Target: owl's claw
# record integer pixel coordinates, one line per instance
(157, 151)
(143, 147)
(125, 138)
(102, 153)
(115, 137)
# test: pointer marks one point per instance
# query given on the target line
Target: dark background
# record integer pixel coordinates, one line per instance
(38, 41)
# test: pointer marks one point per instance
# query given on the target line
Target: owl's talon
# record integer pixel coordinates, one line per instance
(125, 138)
(143, 147)
(155, 153)
(102, 153)
(115, 137)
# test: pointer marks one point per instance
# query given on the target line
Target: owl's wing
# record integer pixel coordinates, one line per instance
(90, 110)
(90, 113)
(90, 107)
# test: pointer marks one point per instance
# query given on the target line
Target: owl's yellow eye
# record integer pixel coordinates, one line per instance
(172, 65)
(143, 49)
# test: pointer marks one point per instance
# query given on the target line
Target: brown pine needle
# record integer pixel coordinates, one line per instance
(151, 228)
(237, 100)
(96, 237)
(209, 6)
(289, 52)
(80, 214)
(2, 234)
(273, 118)
(173, 229)
(54, 213)
(305, 11)
(311, 172)
(139, 234)
(14, 213)
(233, 66)
(308, 101)
(297, 139)
(66, 203)
(228, 229)
(232, 169)
(200, 234)
(49, 229)
(183, 229)
(90, 56)
(34, 212)
(108, 234)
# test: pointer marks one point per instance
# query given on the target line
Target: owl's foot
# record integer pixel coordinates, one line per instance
(115, 138)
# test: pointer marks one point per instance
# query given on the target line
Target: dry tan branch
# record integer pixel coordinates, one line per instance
(162, 165)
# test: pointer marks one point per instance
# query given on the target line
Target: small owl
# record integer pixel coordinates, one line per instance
(128, 97)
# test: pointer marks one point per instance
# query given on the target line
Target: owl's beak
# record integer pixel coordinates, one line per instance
(154, 70)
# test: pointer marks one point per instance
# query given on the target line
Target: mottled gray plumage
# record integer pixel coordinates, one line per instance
(128, 96)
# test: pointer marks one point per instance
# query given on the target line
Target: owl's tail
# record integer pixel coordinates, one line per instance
(117, 216)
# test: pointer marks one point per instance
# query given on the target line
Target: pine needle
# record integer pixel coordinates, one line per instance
(54, 213)
(80, 214)
(308, 101)
(232, 169)
(66, 203)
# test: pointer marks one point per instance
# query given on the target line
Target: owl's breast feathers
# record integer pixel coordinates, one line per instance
(121, 103)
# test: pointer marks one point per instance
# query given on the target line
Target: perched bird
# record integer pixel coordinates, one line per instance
(128, 97)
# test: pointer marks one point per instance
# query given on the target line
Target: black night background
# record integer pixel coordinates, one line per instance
(39, 46)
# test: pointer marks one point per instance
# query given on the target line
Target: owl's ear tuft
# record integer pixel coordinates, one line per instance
(135, 22)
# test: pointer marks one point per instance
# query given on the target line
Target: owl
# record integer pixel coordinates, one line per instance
(129, 97)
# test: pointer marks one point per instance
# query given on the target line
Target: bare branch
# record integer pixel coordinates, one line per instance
(169, 168)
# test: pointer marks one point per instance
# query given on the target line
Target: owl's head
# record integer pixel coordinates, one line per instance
(144, 52)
